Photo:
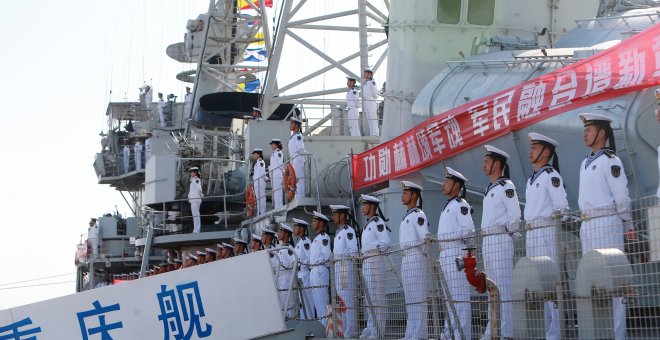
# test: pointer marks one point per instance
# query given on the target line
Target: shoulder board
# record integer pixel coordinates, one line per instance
(549, 170)
(458, 199)
(376, 218)
(609, 153)
(501, 181)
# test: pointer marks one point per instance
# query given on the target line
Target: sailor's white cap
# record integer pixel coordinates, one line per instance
(227, 245)
(351, 78)
(338, 207)
(490, 150)
(267, 231)
(170, 262)
(156, 267)
(368, 69)
(453, 174)
(300, 222)
(275, 141)
(286, 227)
(194, 168)
(239, 240)
(537, 137)
(193, 257)
(320, 216)
(370, 199)
(255, 150)
(256, 237)
(256, 109)
(594, 118)
(408, 185)
(296, 119)
(248, 117)
(220, 245)
(201, 253)
(209, 250)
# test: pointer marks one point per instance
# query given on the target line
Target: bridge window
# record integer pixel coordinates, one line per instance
(481, 12)
(449, 11)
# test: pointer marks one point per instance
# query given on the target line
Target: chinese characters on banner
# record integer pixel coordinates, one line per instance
(632, 65)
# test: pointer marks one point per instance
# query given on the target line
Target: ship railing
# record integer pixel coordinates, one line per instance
(285, 268)
(401, 282)
(116, 248)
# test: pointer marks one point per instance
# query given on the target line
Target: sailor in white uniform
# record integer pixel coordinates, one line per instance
(137, 150)
(240, 246)
(345, 251)
(259, 180)
(161, 109)
(454, 229)
(375, 243)
(147, 147)
(94, 236)
(255, 244)
(126, 151)
(370, 96)
(352, 105)
(499, 226)
(276, 171)
(296, 151)
(413, 230)
(319, 255)
(302, 251)
(545, 198)
(287, 260)
(256, 113)
(267, 238)
(187, 104)
(195, 195)
(603, 200)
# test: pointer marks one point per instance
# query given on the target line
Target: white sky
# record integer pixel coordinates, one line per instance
(59, 60)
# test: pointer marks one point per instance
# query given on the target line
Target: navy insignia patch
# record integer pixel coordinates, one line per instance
(290, 252)
(354, 92)
(298, 137)
(420, 221)
(509, 193)
(350, 236)
(306, 246)
(616, 171)
(380, 227)
(197, 181)
(279, 155)
(325, 242)
(261, 164)
(464, 210)
(593, 167)
(271, 255)
(556, 182)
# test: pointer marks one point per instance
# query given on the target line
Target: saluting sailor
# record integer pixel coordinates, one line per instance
(499, 226)
(603, 199)
(345, 249)
(284, 275)
(296, 152)
(370, 95)
(302, 251)
(259, 180)
(319, 255)
(276, 171)
(352, 105)
(412, 232)
(454, 229)
(545, 198)
(375, 241)
(195, 195)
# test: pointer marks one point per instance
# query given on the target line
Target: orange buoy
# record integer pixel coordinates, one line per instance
(290, 182)
(250, 201)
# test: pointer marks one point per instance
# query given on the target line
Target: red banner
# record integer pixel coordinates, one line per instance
(632, 65)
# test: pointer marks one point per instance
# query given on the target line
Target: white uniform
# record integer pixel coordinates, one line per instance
(412, 231)
(297, 148)
(276, 170)
(454, 226)
(286, 262)
(604, 191)
(148, 98)
(195, 199)
(302, 251)
(545, 196)
(138, 155)
(375, 240)
(345, 247)
(319, 277)
(127, 156)
(187, 105)
(147, 149)
(501, 216)
(94, 237)
(353, 115)
(259, 181)
(161, 113)
(370, 95)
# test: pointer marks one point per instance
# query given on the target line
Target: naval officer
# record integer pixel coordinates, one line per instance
(195, 198)
(375, 242)
(187, 104)
(259, 180)
(286, 261)
(412, 232)
(319, 276)
(94, 236)
(296, 152)
(370, 95)
(545, 198)
(302, 251)
(276, 171)
(603, 199)
(499, 226)
(137, 151)
(454, 229)
(345, 250)
(352, 105)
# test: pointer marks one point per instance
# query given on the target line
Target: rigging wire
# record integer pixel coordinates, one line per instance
(37, 285)
(36, 279)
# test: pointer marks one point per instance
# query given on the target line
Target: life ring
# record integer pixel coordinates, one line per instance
(250, 201)
(290, 182)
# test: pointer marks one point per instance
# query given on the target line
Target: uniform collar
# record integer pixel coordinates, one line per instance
(536, 174)
(593, 156)
(495, 183)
